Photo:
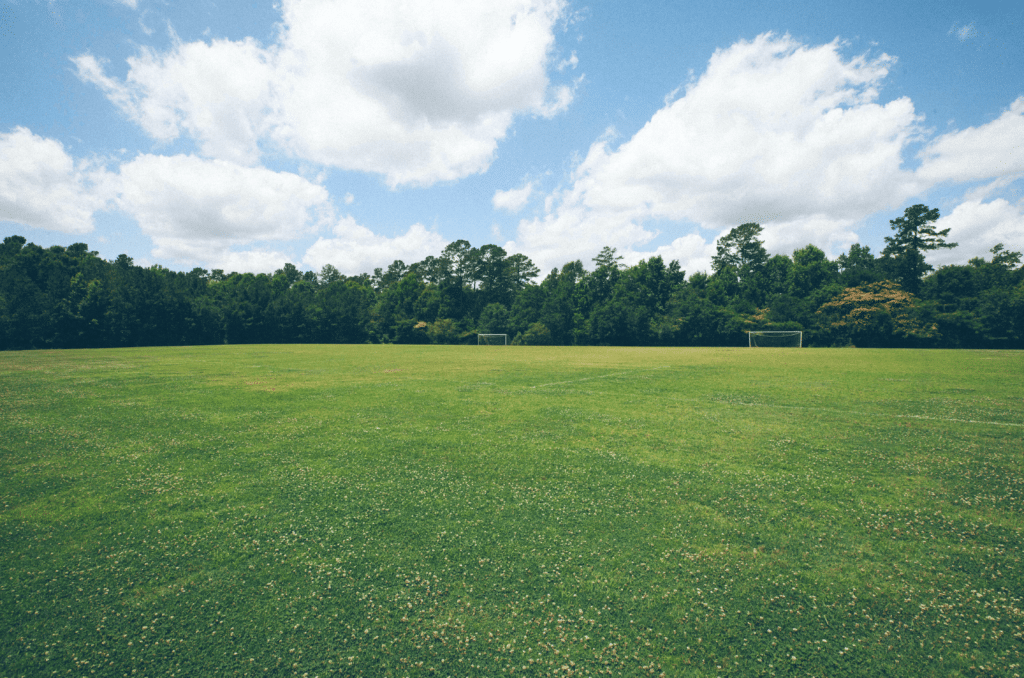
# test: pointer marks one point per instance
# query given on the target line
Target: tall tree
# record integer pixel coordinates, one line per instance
(741, 250)
(915, 235)
(1005, 258)
(606, 274)
(608, 258)
(434, 270)
(382, 279)
(463, 259)
(492, 274)
(329, 274)
(521, 271)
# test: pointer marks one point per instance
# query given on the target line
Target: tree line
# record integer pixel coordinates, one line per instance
(69, 297)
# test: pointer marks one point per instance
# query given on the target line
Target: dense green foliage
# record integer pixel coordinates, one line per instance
(483, 511)
(70, 298)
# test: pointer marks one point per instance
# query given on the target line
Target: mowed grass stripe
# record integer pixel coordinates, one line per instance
(380, 510)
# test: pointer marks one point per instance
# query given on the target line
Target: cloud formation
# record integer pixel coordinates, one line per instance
(355, 249)
(44, 187)
(791, 136)
(217, 93)
(774, 131)
(205, 210)
(196, 210)
(995, 149)
(416, 92)
(978, 224)
(513, 199)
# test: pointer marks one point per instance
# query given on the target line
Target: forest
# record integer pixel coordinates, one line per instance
(69, 297)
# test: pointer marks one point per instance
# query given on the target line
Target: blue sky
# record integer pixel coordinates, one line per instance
(241, 135)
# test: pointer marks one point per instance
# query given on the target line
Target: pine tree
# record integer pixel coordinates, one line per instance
(915, 235)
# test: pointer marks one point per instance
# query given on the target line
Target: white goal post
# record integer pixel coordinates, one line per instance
(776, 338)
(492, 340)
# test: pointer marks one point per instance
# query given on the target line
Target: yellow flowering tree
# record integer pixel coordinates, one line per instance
(878, 314)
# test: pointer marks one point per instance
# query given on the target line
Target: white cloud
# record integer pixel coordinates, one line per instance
(204, 210)
(217, 93)
(572, 231)
(513, 199)
(691, 251)
(418, 92)
(772, 128)
(355, 249)
(833, 235)
(44, 187)
(991, 150)
(774, 131)
(977, 226)
(211, 212)
(249, 261)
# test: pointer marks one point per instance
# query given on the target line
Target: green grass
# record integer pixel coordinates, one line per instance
(474, 511)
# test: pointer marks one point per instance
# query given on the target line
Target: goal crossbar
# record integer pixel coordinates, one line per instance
(776, 338)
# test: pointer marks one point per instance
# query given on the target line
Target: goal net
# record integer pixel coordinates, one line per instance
(776, 338)
(492, 340)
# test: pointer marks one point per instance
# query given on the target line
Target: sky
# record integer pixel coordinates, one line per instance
(242, 135)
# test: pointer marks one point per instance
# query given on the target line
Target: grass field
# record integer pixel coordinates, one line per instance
(484, 511)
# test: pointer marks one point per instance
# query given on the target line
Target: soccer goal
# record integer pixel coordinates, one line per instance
(776, 338)
(492, 340)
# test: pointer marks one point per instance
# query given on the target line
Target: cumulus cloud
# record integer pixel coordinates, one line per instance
(417, 92)
(44, 187)
(513, 199)
(205, 210)
(217, 93)
(196, 210)
(991, 150)
(691, 251)
(355, 249)
(774, 131)
(977, 225)
(772, 128)
(249, 261)
(572, 230)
